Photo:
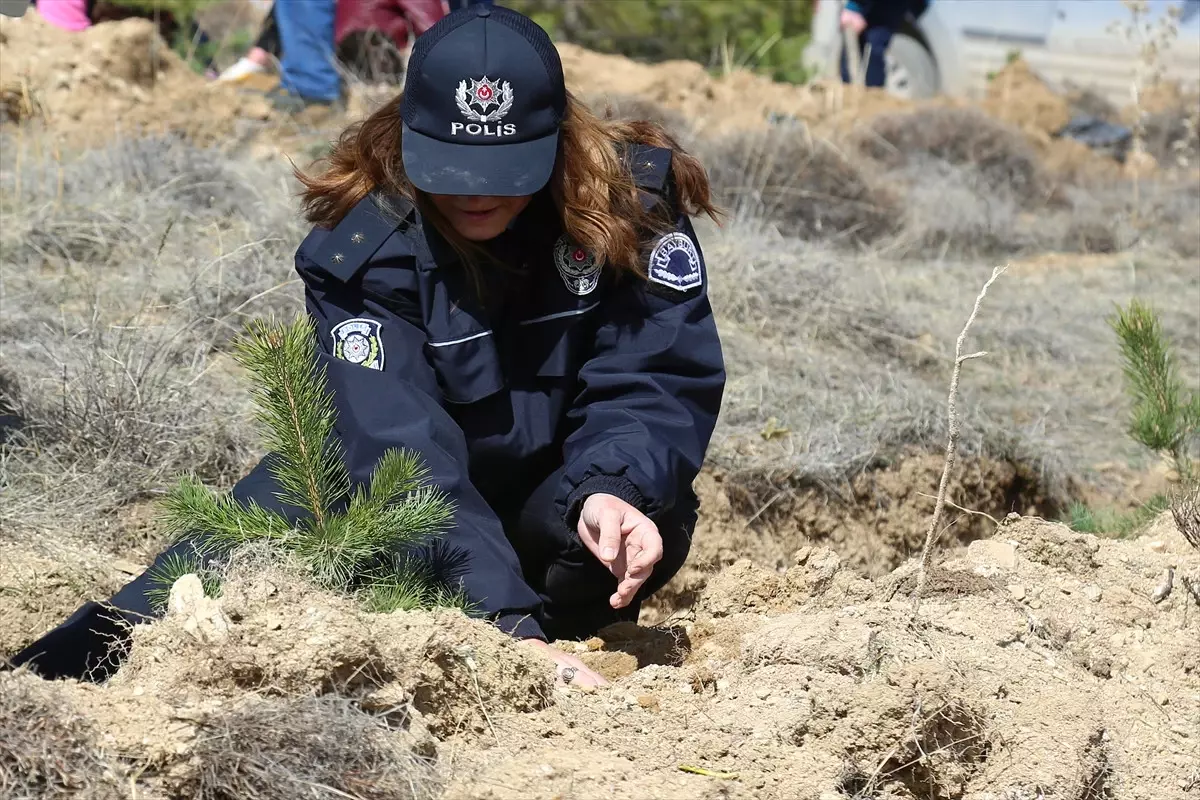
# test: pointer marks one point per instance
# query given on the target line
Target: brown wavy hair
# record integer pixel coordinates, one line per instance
(591, 185)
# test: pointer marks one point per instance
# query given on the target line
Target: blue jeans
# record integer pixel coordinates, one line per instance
(306, 35)
(878, 37)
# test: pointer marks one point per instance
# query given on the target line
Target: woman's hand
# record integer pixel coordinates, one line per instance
(567, 665)
(625, 541)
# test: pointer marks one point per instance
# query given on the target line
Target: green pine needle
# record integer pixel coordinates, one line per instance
(191, 508)
(407, 584)
(1081, 517)
(1161, 418)
(174, 567)
(297, 412)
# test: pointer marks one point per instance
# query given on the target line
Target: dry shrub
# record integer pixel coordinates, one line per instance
(805, 186)
(1185, 509)
(1173, 136)
(126, 399)
(999, 153)
(47, 750)
(314, 747)
(953, 208)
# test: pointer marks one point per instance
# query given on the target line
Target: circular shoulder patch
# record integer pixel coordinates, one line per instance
(577, 266)
(357, 341)
(674, 262)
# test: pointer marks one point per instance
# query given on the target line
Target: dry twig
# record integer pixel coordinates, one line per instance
(952, 442)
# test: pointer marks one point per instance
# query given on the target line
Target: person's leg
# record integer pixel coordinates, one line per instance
(877, 38)
(306, 32)
(573, 584)
(268, 36)
(94, 641)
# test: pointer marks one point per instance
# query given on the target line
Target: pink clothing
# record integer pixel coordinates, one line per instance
(70, 15)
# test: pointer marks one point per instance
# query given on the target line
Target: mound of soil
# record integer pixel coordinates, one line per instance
(1042, 663)
(738, 101)
(1040, 667)
(114, 77)
(1017, 95)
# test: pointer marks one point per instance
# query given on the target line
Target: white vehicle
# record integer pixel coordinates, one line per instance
(956, 44)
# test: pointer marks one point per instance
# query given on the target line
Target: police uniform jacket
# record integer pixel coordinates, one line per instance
(550, 365)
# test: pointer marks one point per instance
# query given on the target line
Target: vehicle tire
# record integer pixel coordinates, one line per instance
(911, 71)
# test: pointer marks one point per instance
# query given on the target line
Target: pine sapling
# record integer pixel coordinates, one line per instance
(359, 542)
(1163, 418)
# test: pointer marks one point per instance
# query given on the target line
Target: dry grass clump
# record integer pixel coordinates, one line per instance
(47, 750)
(313, 747)
(1185, 509)
(1172, 136)
(999, 153)
(126, 270)
(805, 186)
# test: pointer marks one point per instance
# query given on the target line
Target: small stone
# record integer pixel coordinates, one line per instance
(722, 684)
(138, 691)
(648, 701)
(1163, 699)
(801, 556)
(686, 688)
(762, 693)
(993, 552)
(1093, 592)
(595, 643)
(1017, 591)
(1157, 546)
(1035, 604)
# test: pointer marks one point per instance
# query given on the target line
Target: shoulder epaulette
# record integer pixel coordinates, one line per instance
(650, 166)
(361, 233)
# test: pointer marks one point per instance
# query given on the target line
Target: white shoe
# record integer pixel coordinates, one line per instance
(243, 69)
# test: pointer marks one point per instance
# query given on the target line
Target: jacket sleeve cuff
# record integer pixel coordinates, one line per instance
(520, 626)
(615, 485)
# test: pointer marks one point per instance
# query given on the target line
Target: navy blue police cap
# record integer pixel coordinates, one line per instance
(484, 99)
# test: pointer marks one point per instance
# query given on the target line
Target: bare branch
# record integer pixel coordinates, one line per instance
(955, 426)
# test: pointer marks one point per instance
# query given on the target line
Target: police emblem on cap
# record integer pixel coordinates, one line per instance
(674, 262)
(577, 266)
(357, 341)
(474, 102)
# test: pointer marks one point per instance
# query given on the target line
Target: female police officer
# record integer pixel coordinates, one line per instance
(512, 287)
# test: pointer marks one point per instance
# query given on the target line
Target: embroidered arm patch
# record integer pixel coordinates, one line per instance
(675, 263)
(358, 341)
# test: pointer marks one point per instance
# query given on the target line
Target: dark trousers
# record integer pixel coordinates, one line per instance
(573, 584)
(878, 37)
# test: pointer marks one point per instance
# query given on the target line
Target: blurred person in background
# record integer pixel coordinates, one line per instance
(308, 74)
(262, 55)
(873, 23)
(362, 30)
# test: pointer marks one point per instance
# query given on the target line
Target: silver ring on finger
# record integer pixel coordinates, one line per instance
(568, 674)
